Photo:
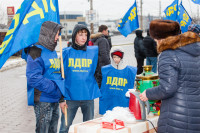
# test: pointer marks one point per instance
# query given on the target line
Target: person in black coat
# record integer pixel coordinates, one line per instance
(194, 28)
(100, 40)
(178, 69)
(150, 51)
(139, 51)
(108, 37)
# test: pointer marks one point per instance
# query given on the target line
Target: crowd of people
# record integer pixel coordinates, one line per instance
(94, 69)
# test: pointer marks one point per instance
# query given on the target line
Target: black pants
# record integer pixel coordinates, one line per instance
(140, 63)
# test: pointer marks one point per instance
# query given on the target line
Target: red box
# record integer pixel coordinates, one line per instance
(116, 125)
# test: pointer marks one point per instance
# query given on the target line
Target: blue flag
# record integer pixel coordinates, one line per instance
(129, 22)
(171, 12)
(184, 18)
(196, 1)
(25, 27)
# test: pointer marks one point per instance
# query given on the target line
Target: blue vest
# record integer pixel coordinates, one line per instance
(80, 68)
(115, 84)
(52, 72)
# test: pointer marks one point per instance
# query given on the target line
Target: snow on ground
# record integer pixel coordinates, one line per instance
(13, 62)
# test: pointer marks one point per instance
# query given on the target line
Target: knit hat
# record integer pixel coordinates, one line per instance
(194, 28)
(160, 29)
(118, 53)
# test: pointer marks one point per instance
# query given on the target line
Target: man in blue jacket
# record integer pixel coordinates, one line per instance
(80, 63)
(44, 78)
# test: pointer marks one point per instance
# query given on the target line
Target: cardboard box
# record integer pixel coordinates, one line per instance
(94, 126)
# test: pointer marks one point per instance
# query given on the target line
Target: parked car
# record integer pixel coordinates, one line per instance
(69, 43)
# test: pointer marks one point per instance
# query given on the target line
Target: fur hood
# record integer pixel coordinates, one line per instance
(97, 35)
(174, 42)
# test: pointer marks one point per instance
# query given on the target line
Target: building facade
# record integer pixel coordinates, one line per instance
(68, 20)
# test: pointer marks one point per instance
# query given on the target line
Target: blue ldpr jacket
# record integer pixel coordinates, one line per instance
(80, 66)
(116, 80)
(43, 74)
(115, 84)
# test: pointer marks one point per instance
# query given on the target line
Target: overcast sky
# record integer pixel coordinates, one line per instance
(109, 9)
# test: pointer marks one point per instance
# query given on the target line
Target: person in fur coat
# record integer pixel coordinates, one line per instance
(179, 72)
(99, 39)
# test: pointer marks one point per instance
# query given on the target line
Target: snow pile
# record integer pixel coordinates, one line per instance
(119, 113)
(12, 63)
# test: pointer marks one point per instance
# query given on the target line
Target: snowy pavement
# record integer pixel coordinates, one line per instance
(13, 62)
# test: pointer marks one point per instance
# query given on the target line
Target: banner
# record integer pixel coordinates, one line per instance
(171, 12)
(25, 27)
(129, 22)
(184, 18)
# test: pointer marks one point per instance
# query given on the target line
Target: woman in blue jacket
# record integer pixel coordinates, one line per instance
(179, 72)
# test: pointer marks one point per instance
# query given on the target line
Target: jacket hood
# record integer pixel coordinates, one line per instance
(192, 49)
(188, 42)
(121, 65)
(94, 37)
(77, 28)
(139, 33)
(47, 35)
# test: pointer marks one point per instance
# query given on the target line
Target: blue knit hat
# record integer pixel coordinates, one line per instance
(194, 28)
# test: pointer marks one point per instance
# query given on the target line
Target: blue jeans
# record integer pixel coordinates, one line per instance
(152, 61)
(87, 108)
(47, 115)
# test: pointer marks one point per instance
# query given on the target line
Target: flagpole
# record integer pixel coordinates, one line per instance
(141, 17)
(62, 73)
(91, 24)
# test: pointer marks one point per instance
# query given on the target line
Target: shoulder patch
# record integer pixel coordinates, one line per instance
(35, 52)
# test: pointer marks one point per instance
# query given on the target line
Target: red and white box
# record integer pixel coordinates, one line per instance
(115, 125)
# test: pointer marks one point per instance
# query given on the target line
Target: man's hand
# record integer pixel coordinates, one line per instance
(143, 96)
(62, 106)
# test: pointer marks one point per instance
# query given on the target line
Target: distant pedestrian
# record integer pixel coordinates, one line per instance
(139, 50)
(80, 63)
(44, 78)
(100, 40)
(118, 77)
(194, 28)
(179, 73)
(150, 51)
